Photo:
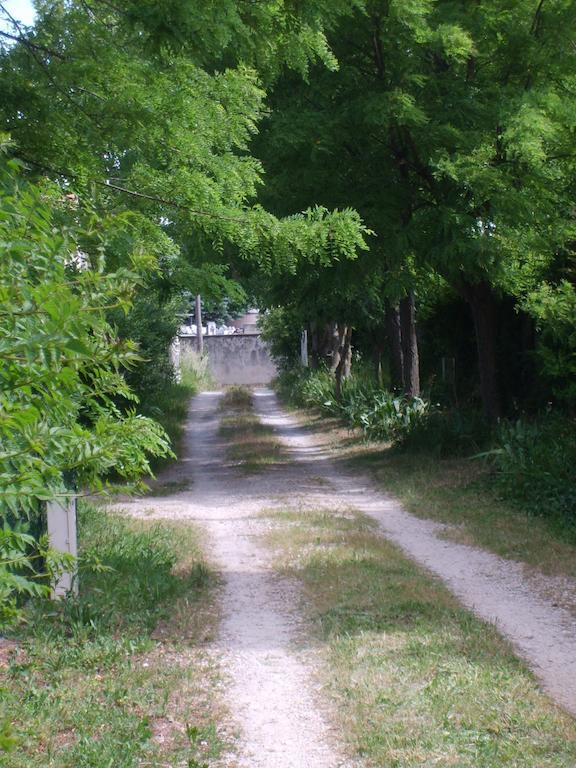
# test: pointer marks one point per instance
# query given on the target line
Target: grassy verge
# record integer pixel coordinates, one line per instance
(118, 677)
(251, 445)
(172, 413)
(419, 681)
(171, 410)
(454, 491)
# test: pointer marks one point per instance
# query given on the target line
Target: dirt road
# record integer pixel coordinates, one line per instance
(274, 694)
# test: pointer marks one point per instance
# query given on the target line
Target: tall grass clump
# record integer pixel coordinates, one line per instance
(237, 397)
(194, 371)
(128, 579)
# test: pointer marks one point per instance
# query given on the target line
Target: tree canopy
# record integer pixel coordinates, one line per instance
(145, 124)
(449, 127)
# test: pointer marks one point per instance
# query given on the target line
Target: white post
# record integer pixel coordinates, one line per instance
(304, 348)
(199, 339)
(62, 534)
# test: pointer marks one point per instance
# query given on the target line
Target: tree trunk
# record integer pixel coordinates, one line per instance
(411, 363)
(314, 345)
(394, 334)
(483, 305)
(343, 368)
(336, 339)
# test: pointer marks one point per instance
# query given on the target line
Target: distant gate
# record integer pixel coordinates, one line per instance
(240, 358)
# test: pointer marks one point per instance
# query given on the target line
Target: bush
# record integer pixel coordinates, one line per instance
(381, 415)
(449, 432)
(281, 327)
(534, 465)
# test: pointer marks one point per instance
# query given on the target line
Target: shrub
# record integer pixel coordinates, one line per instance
(534, 465)
(281, 327)
(61, 378)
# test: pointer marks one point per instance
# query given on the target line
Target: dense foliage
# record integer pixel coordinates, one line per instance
(534, 464)
(362, 405)
(62, 361)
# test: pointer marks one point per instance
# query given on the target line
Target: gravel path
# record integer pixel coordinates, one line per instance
(274, 694)
(497, 590)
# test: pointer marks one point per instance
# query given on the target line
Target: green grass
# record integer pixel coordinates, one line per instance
(118, 676)
(250, 445)
(418, 680)
(195, 371)
(237, 397)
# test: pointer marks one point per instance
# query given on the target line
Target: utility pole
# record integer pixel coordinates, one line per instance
(199, 339)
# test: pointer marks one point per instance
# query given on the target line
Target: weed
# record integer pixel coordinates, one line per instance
(195, 371)
(237, 397)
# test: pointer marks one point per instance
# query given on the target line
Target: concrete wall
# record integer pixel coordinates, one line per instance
(236, 359)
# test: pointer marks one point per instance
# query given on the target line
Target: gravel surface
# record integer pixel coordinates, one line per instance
(274, 693)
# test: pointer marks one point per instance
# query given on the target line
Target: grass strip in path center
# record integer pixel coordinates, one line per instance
(250, 445)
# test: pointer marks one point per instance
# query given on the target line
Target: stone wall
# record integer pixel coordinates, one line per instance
(235, 359)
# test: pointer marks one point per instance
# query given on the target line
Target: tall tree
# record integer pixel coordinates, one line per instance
(448, 127)
(129, 106)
